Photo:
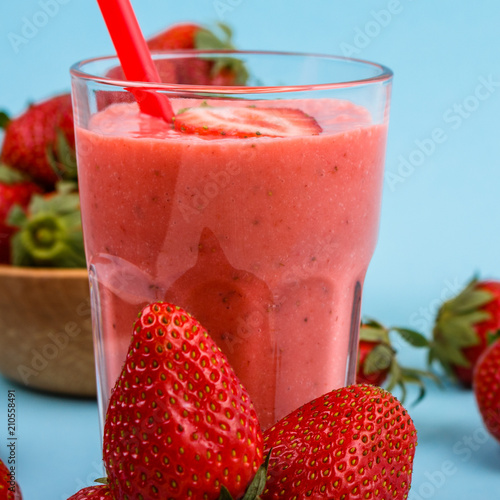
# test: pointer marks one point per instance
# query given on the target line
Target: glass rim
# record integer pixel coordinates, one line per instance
(385, 73)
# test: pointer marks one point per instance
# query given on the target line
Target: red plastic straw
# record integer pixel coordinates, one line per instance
(134, 55)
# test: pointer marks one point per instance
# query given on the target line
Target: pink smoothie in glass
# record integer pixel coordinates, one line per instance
(263, 240)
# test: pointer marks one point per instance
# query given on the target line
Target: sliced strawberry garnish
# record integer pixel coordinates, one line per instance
(245, 122)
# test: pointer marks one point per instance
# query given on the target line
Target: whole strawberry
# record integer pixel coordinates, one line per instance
(463, 328)
(179, 423)
(15, 189)
(487, 388)
(9, 489)
(355, 442)
(199, 71)
(378, 362)
(98, 492)
(176, 37)
(375, 356)
(41, 141)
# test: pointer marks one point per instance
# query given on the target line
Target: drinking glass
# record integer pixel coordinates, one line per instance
(264, 240)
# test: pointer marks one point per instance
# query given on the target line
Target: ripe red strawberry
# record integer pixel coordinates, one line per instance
(378, 362)
(41, 141)
(98, 492)
(8, 490)
(15, 189)
(463, 327)
(179, 423)
(195, 70)
(200, 71)
(186, 71)
(487, 388)
(179, 36)
(354, 442)
(245, 122)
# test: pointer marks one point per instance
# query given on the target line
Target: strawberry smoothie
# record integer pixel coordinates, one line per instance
(265, 240)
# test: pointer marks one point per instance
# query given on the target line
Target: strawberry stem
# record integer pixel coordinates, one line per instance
(49, 232)
(47, 240)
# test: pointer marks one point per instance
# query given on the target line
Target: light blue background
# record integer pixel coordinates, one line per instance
(440, 210)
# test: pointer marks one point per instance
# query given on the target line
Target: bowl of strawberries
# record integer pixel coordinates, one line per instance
(45, 322)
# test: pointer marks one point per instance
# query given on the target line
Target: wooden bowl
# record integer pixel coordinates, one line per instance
(46, 329)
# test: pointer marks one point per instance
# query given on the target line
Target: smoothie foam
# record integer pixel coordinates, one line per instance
(262, 240)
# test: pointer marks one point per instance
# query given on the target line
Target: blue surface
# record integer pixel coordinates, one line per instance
(440, 210)
(58, 446)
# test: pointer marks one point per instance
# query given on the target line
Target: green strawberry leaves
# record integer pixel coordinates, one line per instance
(384, 357)
(380, 358)
(208, 40)
(9, 175)
(62, 158)
(468, 300)
(492, 337)
(412, 337)
(50, 233)
(373, 331)
(224, 494)
(4, 119)
(400, 376)
(253, 492)
(259, 481)
(454, 328)
(255, 488)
